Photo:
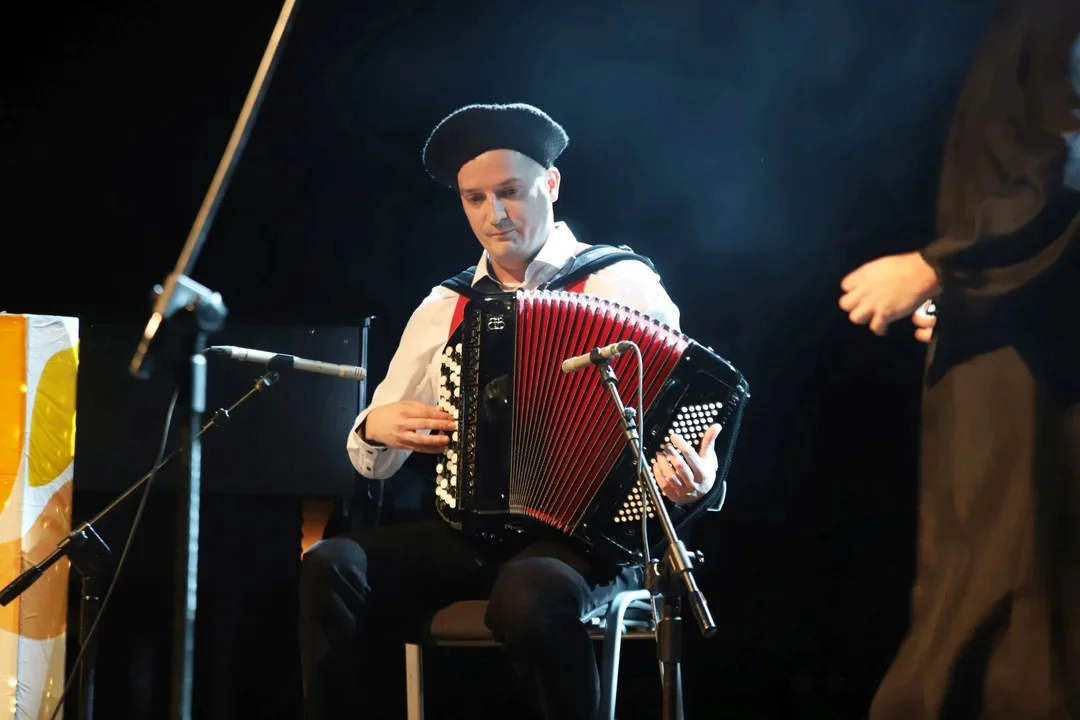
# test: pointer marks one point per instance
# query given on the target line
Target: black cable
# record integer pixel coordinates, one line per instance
(123, 557)
(646, 496)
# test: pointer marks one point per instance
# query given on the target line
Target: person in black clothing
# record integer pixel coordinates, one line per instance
(995, 628)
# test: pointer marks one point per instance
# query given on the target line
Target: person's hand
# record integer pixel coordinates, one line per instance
(687, 476)
(402, 425)
(924, 324)
(884, 290)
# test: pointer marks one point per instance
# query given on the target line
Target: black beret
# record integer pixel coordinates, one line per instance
(475, 129)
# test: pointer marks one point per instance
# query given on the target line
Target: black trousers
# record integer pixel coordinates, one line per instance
(360, 591)
(995, 631)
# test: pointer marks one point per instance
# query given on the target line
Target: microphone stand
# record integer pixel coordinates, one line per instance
(89, 555)
(203, 312)
(671, 578)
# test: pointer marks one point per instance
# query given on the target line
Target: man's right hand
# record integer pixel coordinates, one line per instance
(396, 426)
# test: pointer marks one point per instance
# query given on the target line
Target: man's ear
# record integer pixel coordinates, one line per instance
(552, 182)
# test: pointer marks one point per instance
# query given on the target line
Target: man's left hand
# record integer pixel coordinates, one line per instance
(687, 476)
(884, 290)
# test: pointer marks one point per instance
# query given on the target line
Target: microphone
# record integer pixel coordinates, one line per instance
(350, 372)
(596, 356)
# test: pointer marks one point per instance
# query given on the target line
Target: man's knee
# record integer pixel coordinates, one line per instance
(533, 599)
(330, 563)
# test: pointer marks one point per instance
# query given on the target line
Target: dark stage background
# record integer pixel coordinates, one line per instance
(756, 151)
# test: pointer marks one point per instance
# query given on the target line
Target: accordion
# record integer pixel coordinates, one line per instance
(540, 448)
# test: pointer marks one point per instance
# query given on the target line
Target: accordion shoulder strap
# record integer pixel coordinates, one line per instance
(593, 259)
(570, 277)
(590, 260)
(462, 284)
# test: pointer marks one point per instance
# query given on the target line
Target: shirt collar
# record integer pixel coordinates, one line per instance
(560, 247)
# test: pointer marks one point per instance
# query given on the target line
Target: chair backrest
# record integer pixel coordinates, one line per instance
(634, 608)
(639, 621)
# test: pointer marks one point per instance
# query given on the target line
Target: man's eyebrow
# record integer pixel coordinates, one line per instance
(504, 183)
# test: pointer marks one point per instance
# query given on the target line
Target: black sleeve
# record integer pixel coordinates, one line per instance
(1009, 201)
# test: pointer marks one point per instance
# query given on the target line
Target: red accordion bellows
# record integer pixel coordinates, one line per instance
(566, 433)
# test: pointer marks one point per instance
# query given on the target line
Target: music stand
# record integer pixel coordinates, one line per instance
(191, 311)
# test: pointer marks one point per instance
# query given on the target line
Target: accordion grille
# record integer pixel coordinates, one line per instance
(565, 434)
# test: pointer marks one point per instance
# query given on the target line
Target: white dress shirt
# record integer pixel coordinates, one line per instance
(414, 370)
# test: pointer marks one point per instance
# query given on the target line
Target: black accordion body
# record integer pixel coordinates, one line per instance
(540, 448)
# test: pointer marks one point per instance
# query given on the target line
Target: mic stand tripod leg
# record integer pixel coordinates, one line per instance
(89, 606)
(89, 555)
(673, 577)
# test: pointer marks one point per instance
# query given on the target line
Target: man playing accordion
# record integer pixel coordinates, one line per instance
(500, 160)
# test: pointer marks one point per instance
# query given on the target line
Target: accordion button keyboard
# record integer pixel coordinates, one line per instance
(690, 422)
(632, 507)
(449, 397)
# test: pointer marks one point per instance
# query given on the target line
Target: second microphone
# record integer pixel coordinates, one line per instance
(350, 372)
(596, 356)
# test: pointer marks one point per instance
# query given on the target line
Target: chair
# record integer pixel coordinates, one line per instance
(628, 616)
